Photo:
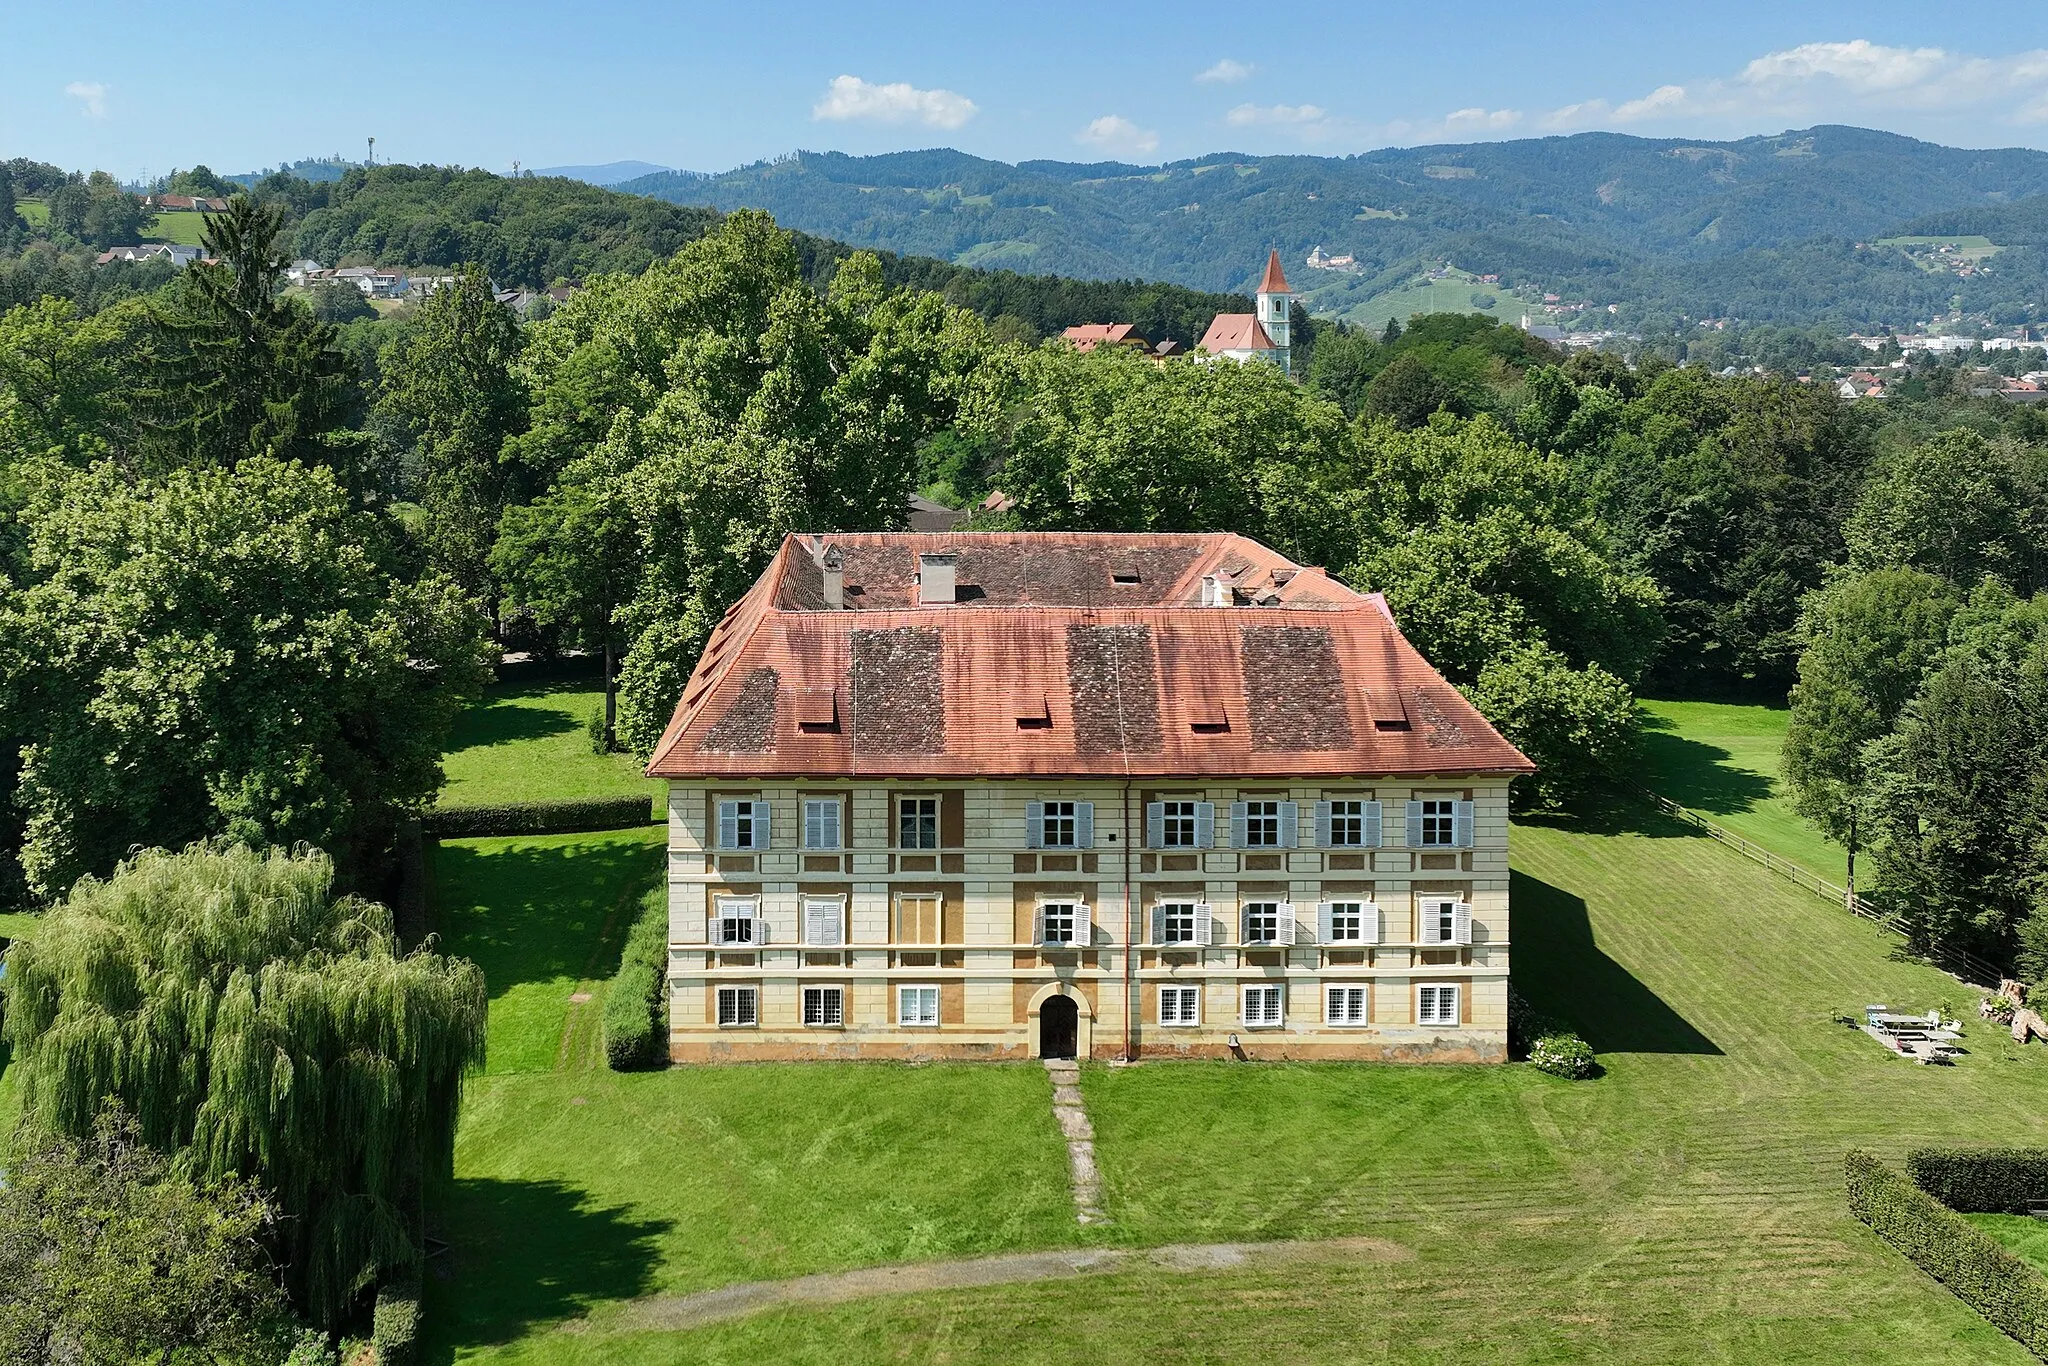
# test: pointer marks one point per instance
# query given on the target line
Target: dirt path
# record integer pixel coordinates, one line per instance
(676, 1312)
(1071, 1112)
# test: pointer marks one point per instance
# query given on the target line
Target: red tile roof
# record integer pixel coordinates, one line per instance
(1274, 282)
(1087, 336)
(1235, 332)
(1102, 634)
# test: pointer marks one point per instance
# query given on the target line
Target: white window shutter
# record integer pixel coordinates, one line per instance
(1461, 922)
(1323, 923)
(1461, 825)
(1205, 824)
(1084, 925)
(1369, 922)
(1084, 825)
(824, 921)
(1415, 825)
(760, 927)
(1034, 825)
(728, 825)
(1285, 924)
(1322, 825)
(1238, 825)
(1373, 831)
(1287, 819)
(1155, 824)
(1205, 930)
(1038, 926)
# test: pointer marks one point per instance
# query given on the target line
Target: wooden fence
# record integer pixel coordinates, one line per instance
(1958, 963)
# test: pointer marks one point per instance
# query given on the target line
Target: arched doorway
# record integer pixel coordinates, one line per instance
(1059, 1022)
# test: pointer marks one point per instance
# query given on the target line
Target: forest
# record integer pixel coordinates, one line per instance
(255, 561)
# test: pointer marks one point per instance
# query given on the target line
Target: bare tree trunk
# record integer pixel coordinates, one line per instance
(611, 702)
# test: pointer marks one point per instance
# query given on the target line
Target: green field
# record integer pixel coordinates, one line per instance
(1685, 1207)
(182, 229)
(2021, 1233)
(526, 742)
(34, 212)
(1969, 248)
(1346, 297)
(15, 924)
(1724, 761)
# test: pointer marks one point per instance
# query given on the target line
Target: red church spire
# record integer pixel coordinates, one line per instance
(1275, 282)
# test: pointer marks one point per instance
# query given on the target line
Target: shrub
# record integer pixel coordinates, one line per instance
(395, 1326)
(538, 818)
(1981, 1180)
(1564, 1055)
(593, 729)
(636, 1009)
(2011, 1295)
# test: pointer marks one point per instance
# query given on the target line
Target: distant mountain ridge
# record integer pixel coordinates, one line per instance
(609, 174)
(1765, 228)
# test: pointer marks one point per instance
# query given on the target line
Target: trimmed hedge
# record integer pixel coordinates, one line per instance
(538, 818)
(2011, 1295)
(636, 1007)
(395, 1324)
(1981, 1180)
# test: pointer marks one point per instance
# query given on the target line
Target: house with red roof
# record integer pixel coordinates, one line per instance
(1087, 336)
(1264, 333)
(1011, 795)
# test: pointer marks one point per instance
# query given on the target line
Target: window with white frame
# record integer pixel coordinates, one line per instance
(739, 1007)
(824, 1007)
(917, 823)
(1265, 1003)
(1175, 921)
(1262, 825)
(825, 920)
(1439, 823)
(1444, 920)
(918, 1006)
(1059, 825)
(1178, 828)
(1347, 825)
(742, 825)
(1180, 1005)
(1436, 1005)
(821, 823)
(734, 920)
(1060, 922)
(1262, 921)
(1347, 922)
(1345, 1005)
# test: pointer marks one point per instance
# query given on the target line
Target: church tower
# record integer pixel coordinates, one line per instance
(1275, 301)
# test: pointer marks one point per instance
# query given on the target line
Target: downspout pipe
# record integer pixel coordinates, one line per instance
(1130, 931)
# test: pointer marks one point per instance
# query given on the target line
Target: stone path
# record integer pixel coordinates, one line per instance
(678, 1312)
(1072, 1114)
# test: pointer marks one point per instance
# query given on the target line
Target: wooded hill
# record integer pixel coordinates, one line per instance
(1765, 228)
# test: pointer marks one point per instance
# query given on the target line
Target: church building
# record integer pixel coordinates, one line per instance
(1240, 336)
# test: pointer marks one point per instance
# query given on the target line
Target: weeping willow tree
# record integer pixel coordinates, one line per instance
(256, 1026)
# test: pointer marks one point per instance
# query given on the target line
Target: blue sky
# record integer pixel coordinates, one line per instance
(235, 84)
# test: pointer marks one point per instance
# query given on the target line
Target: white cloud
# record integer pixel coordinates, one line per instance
(1115, 133)
(850, 97)
(1861, 65)
(93, 93)
(1477, 120)
(1226, 72)
(1274, 115)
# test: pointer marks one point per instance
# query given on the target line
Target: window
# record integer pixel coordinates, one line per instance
(917, 1006)
(824, 1007)
(1444, 921)
(1261, 829)
(821, 823)
(743, 825)
(1348, 825)
(1062, 922)
(1263, 1004)
(917, 919)
(1177, 922)
(1439, 824)
(917, 823)
(1180, 1005)
(1436, 1005)
(1268, 922)
(739, 1007)
(1346, 923)
(733, 921)
(825, 920)
(1059, 825)
(1344, 1006)
(1179, 825)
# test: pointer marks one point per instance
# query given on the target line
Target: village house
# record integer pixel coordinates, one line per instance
(1087, 336)
(1241, 336)
(183, 203)
(1004, 795)
(177, 255)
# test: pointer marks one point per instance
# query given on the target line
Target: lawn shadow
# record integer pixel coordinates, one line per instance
(1694, 773)
(497, 721)
(542, 911)
(522, 1254)
(1562, 972)
(1608, 811)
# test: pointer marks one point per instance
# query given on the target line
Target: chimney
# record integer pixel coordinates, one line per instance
(935, 577)
(832, 566)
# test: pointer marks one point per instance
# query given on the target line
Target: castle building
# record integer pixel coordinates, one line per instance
(1005, 795)
(1267, 332)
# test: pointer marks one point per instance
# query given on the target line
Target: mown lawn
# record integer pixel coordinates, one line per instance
(1686, 1207)
(1724, 761)
(525, 742)
(16, 924)
(180, 229)
(2021, 1233)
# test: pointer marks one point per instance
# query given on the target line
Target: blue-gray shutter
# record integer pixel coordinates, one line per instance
(1155, 825)
(761, 840)
(1244, 923)
(1322, 825)
(1374, 834)
(1287, 819)
(1205, 824)
(1238, 825)
(1461, 825)
(728, 836)
(1084, 825)
(1038, 925)
(1415, 825)
(1323, 929)
(1158, 925)
(1034, 825)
